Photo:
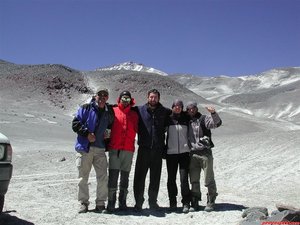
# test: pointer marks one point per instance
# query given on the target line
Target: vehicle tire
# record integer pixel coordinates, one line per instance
(1, 202)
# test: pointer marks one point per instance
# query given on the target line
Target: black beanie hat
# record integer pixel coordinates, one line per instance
(191, 104)
(127, 93)
(177, 102)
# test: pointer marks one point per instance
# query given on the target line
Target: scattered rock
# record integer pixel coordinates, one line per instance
(255, 209)
(258, 215)
(282, 207)
(62, 159)
(286, 215)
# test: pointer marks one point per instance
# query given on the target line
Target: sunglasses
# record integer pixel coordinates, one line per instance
(125, 99)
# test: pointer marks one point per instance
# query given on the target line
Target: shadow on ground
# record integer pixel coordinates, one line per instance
(144, 212)
(163, 211)
(7, 219)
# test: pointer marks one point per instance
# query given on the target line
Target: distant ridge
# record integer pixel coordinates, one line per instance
(273, 94)
(132, 66)
(5, 62)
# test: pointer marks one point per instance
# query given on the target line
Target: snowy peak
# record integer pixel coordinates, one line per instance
(132, 66)
(279, 77)
(273, 78)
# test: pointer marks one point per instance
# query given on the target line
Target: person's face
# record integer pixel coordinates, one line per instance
(153, 99)
(177, 109)
(125, 100)
(192, 111)
(101, 99)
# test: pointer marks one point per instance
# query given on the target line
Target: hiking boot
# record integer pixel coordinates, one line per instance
(122, 199)
(209, 207)
(173, 204)
(173, 207)
(138, 208)
(186, 208)
(111, 206)
(152, 200)
(100, 209)
(123, 205)
(83, 208)
(154, 206)
(194, 205)
(210, 203)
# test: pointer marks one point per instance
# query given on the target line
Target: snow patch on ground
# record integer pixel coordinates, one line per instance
(246, 111)
(48, 121)
(29, 115)
(295, 112)
(285, 111)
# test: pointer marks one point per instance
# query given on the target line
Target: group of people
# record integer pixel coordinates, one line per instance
(102, 127)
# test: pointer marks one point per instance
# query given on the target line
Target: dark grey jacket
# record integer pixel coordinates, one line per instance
(196, 129)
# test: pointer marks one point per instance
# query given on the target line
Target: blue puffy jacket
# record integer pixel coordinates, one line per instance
(89, 119)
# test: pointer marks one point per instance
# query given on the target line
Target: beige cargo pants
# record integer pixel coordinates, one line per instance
(205, 163)
(96, 157)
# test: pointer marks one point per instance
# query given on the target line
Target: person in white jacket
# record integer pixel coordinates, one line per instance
(178, 156)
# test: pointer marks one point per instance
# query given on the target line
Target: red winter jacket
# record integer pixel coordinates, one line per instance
(124, 128)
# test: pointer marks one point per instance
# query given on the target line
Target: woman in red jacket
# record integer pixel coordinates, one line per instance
(121, 148)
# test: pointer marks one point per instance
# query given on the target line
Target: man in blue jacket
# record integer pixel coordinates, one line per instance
(91, 123)
(151, 140)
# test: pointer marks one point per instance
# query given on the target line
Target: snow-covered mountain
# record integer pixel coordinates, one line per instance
(272, 94)
(55, 84)
(132, 66)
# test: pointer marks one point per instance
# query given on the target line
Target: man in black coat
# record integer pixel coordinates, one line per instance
(151, 140)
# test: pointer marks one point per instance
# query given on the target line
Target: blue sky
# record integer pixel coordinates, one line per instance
(199, 37)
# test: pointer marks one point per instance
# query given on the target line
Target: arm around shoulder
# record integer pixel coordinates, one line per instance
(79, 128)
(78, 124)
(111, 115)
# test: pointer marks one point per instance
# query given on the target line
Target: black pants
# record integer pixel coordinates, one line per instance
(173, 162)
(147, 159)
(113, 185)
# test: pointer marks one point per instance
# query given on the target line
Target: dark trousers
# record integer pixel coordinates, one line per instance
(147, 159)
(113, 185)
(173, 162)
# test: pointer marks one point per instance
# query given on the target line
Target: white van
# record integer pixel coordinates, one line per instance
(5, 167)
